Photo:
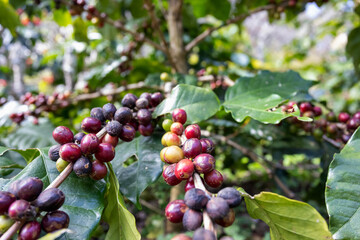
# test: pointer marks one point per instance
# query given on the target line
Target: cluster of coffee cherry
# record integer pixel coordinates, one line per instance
(189, 156)
(24, 201)
(77, 7)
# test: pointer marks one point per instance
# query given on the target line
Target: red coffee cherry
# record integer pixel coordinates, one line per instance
(169, 175)
(6, 199)
(89, 144)
(190, 184)
(192, 147)
(204, 163)
(128, 133)
(344, 117)
(177, 128)
(214, 178)
(193, 131)
(98, 170)
(70, 152)
(110, 139)
(179, 115)
(30, 231)
(63, 135)
(184, 169)
(105, 153)
(175, 210)
(91, 125)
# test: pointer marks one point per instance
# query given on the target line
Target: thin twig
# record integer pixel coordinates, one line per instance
(62, 176)
(151, 207)
(332, 142)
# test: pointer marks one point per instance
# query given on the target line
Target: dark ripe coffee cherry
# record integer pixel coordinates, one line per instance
(142, 103)
(207, 145)
(156, 99)
(129, 100)
(189, 184)
(357, 116)
(184, 169)
(217, 208)
(175, 210)
(353, 123)
(14, 187)
(231, 196)
(228, 220)
(192, 147)
(321, 123)
(193, 131)
(317, 111)
(192, 220)
(181, 236)
(114, 128)
(97, 113)
(331, 117)
(134, 123)
(305, 107)
(196, 199)
(29, 188)
(345, 137)
(123, 115)
(172, 154)
(54, 152)
(105, 153)
(89, 144)
(5, 223)
(61, 164)
(98, 170)
(146, 95)
(50, 200)
(343, 117)
(214, 178)
(166, 125)
(70, 152)
(169, 175)
(6, 199)
(144, 116)
(91, 125)
(56, 220)
(179, 115)
(82, 167)
(78, 137)
(110, 139)
(22, 210)
(63, 135)
(128, 133)
(30, 231)
(146, 130)
(204, 163)
(203, 234)
(177, 128)
(170, 139)
(108, 111)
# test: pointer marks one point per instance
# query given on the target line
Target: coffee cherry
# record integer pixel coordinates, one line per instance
(353, 123)
(331, 128)
(217, 208)
(70, 152)
(203, 234)
(63, 135)
(97, 113)
(184, 169)
(98, 170)
(146, 130)
(175, 210)
(196, 199)
(192, 147)
(129, 100)
(123, 115)
(56, 220)
(50, 200)
(179, 115)
(29, 188)
(91, 125)
(144, 116)
(89, 144)
(14, 187)
(6, 199)
(170, 139)
(30, 231)
(169, 175)
(82, 167)
(357, 116)
(5, 223)
(146, 95)
(189, 184)
(78, 137)
(61, 164)
(193, 131)
(204, 163)
(317, 111)
(54, 152)
(345, 137)
(110, 139)
(305, 107)
(142, 103)
(331, 117)
(228, 220)
(207, 145)
(134, 123)
(231, 196)
(105, 153)
(165, 77)
(22, 210)
(344, 117)
(162, 154)
(177, 128)
(192, 219)
(181, 236)
(173, 154)
(114, 128)
(128, 133)
(214, 178)
(108, 111)
(156, 99)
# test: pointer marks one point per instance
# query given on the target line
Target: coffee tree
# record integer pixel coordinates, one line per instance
(157, 120)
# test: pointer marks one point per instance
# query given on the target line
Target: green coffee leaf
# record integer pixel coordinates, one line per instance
(55, 235)
(8, 17)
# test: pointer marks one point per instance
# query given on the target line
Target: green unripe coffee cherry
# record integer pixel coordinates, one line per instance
(166, 124)
(318, 133)
(61, 164)
(5, 223)
(165, 77)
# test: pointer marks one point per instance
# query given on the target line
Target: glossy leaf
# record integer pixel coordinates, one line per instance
(55, 235)
(62, 17)
(219, 9)
(80, 30)
(121, 222)
(199, 103)
(288, 219)
(134, 178)
(259, 97)
(342, 191)
(353, 44)
(8, 17)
